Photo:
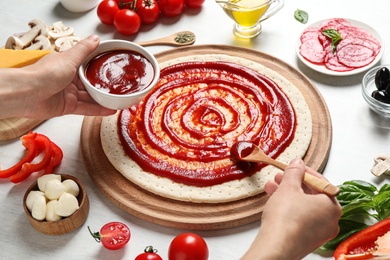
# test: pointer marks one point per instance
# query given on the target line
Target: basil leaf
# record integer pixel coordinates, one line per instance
(349, 193)
(347, 229)
(385, 187)
(301, 16)
(358, 207)
(381, 204)
(335, 37)
(363, 185)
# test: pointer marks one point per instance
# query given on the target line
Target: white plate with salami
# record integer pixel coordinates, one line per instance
(347, 47)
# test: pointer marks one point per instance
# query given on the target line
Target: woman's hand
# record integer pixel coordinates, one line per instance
(50, 87)
(295, 220)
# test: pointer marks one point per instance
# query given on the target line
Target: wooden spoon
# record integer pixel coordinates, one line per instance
(249, 152)
(177, 39)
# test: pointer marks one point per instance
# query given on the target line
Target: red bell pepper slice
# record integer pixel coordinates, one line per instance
(29, 143)
(28, 168)
(56, 158)
(362, 241)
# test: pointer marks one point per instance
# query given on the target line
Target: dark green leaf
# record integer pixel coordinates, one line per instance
(381, 205)
(349, 193)
(347, 228)
(301, 16)
(385, 187)
(360, 206)
(363, 185)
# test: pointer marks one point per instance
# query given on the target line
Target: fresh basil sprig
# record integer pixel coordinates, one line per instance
(335, 37)
(361, 204)
(301, 16)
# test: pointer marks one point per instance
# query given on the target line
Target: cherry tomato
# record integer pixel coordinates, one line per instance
(188, 246)
(171, 7)
(148, 11)
(149, 254)
(194, 3)
(127, 22)
(106, 11)
(113, 235)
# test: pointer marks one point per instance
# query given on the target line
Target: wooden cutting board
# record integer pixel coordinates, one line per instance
(11, 128)
(202, 216)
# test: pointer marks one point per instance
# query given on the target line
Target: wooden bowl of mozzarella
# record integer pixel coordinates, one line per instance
(71, 217)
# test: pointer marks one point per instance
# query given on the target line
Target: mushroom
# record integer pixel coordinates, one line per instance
(38, 27)
(60, 30)
(382, 165)
(40, 43)
(19, 43)
(65, 43)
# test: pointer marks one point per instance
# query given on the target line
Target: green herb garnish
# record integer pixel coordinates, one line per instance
(334, 35)
(184, 37)
(362, 204)
(301, 16)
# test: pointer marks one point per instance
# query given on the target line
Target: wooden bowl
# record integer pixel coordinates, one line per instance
(67, 224)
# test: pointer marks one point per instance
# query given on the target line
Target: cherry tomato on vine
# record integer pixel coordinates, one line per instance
(106, 11)
(148, 11)
(113, 235)
(149, 254)
(194, 3)
(127, 22)
(188, 246)
(171, 7)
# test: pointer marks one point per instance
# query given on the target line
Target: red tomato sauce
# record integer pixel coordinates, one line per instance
(120, 72)
(185, 127)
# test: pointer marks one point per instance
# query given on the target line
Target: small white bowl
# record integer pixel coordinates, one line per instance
(368, 86)
(118, 101)
(79, 6)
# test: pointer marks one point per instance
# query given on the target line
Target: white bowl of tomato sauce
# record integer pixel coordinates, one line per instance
(119, 73)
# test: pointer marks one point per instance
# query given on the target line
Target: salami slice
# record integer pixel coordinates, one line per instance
(310, 33)
(313, 51)
(355, 54)
(332, 63)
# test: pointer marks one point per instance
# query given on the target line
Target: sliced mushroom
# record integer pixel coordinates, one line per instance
(38, 27)
(14, 43)
(60, 30)
(19, 43)
(382, 165)
(65, 43)
(40, 43)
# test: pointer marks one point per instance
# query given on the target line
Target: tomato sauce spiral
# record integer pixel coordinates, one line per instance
(185, 127)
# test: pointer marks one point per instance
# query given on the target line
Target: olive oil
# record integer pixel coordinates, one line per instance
(246, 12)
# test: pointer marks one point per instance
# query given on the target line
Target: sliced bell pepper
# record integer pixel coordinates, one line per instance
(28, 141)
(363, 242)
(56, 158)
(28, 168)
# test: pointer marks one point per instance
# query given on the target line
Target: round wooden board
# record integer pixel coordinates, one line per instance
(202, 216)
(11, 128)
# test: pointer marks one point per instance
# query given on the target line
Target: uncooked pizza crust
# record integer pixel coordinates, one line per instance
(228, 191)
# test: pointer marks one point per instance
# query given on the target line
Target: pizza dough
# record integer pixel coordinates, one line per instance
(228, 191)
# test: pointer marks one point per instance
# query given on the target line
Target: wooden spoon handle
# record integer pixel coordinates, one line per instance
(311, 180)
(320, 185)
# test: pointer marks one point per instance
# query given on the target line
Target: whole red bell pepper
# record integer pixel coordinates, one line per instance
(28, 168)
(362, 242)
(28, 141)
